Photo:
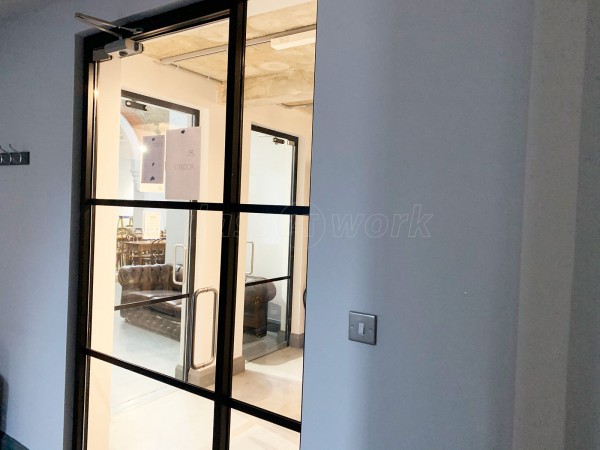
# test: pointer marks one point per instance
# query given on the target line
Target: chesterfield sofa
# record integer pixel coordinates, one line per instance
(145, 282)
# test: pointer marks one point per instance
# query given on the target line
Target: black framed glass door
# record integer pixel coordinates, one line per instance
(272, 168)
(164, 202)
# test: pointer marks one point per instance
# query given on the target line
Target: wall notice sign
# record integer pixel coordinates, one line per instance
(151, 225)
(153, 159)
(182, 181)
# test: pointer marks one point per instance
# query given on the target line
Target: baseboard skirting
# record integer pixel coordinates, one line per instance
(297, 340)
(206, 376)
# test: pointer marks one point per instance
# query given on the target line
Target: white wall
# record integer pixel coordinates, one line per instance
(417, 102)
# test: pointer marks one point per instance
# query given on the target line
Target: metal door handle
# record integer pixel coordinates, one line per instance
(251, 258)
(184, 269)
(191, 332)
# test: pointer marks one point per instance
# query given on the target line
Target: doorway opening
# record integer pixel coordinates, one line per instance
(272, 180)
(194, 223)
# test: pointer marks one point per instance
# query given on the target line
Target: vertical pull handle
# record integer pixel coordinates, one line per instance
(184, 269)
(190, 336)
(251, 257)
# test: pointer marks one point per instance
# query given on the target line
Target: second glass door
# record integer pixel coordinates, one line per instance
(269, 242)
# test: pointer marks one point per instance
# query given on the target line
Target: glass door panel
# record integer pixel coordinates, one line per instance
(272, 176)
(155, 292)
(271, 309)
(145, 101)
(268, 256)
(278, 101)
(160, 135)
(276, 159)
(144, 121)
(250, 433)
(128, 411)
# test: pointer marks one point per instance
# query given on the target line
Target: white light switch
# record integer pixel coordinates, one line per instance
(361, 328)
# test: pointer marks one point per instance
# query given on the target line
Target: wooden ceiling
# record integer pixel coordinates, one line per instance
(272, 76)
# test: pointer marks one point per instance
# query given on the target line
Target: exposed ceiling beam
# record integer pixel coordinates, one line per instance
(223, 48)
(286, 88)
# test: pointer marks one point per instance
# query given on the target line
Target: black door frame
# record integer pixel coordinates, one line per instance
(292, 244)
(167, 22)
(193, 214)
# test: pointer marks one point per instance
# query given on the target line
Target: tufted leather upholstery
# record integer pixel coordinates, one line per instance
(143, 282)
(151, 277)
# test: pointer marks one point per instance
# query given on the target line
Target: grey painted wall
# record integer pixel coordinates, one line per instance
(583, 392)
(36, 113)
(417, 102)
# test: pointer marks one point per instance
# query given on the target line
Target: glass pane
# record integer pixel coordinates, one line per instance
(278, 99)
(128, 411)
(148, 263)
(268, 245)
(251, 433)
(162, 129)
(272, 175)
(270, 312)
(265, 321)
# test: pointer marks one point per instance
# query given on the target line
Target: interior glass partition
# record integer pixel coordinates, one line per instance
(189, 246)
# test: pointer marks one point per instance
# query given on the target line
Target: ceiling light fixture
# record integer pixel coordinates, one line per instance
(294, 40)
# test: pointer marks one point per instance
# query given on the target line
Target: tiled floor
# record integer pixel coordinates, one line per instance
(148, 415)
(273, 382)
(182, 421)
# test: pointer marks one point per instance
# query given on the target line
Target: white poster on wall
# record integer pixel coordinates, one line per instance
(151, 225)
(153, 160)
(182, 180)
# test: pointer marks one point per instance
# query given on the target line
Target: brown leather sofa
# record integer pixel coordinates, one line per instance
(256, 303)
(145, 282)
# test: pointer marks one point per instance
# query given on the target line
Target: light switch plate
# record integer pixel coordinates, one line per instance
(369, 328)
